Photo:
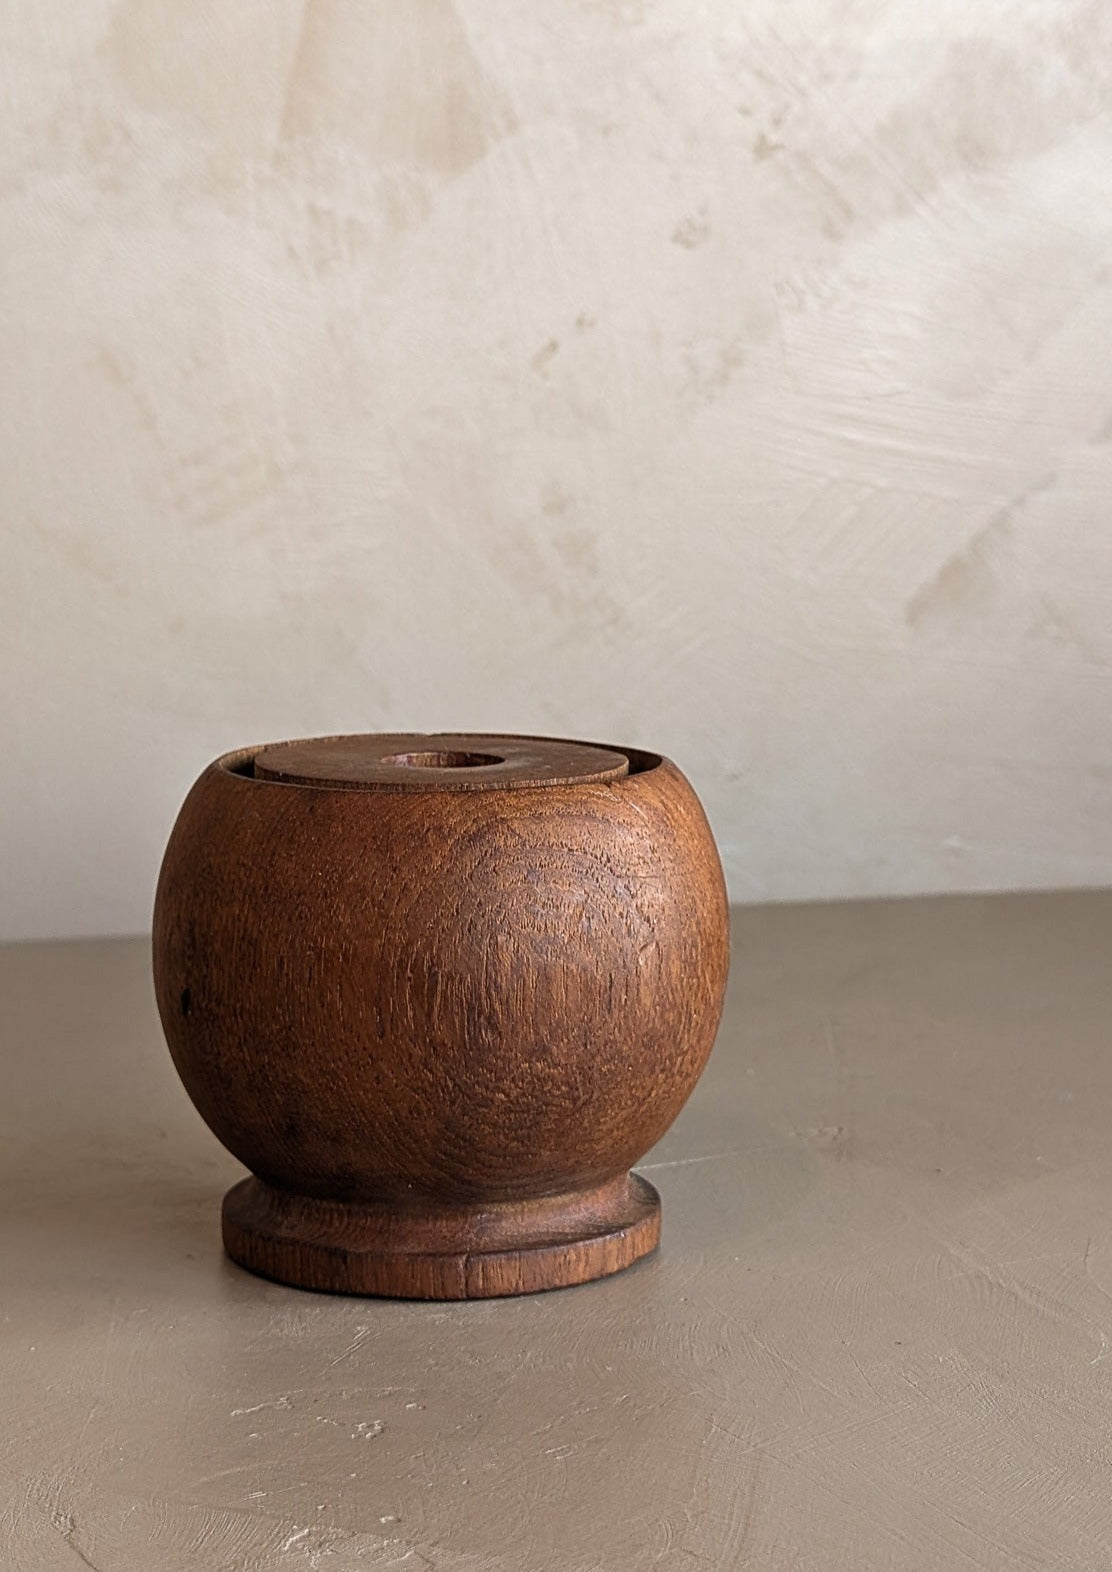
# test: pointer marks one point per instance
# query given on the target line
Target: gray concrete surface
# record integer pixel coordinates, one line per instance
(878, 1333)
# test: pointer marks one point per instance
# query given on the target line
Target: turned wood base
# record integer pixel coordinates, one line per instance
(441, 1252)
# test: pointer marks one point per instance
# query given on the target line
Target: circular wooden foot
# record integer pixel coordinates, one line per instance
(447, 1252)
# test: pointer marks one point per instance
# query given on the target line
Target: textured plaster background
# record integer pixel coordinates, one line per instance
(732, 380)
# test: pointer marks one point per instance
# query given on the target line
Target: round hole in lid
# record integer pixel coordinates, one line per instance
(442, 761)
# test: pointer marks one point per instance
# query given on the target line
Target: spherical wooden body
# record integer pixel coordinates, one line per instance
(439, 994)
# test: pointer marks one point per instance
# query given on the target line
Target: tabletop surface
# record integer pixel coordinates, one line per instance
(878, 1333)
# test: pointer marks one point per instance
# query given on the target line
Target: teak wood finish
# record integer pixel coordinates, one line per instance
(439, 993)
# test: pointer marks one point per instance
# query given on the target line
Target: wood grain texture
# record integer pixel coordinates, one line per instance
(440, 1021)
(415, 1252)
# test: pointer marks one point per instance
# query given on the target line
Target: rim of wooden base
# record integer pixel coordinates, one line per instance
(324, 1245)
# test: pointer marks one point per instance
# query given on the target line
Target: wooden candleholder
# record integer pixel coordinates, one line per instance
(439, 993)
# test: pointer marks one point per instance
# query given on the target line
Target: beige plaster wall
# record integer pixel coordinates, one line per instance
(729, 379)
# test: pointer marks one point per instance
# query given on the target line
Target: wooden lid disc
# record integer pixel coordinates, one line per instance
(438, 761)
